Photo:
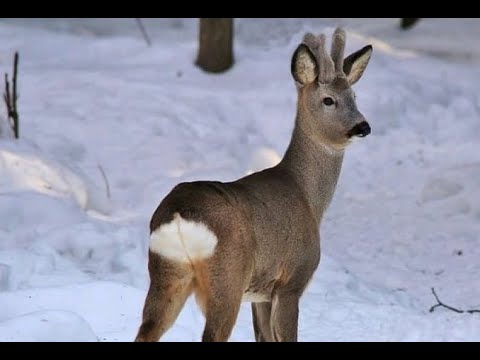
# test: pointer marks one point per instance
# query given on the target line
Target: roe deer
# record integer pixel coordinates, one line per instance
(257, 239)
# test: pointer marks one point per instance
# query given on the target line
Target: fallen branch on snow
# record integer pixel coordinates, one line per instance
(449, 307)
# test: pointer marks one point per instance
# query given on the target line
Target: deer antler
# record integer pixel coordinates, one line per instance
(338, 48)
(329, 65)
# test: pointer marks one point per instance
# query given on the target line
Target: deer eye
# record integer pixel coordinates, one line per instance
(328, 101)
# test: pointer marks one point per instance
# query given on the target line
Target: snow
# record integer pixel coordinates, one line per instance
(93, 97)
(47, 326)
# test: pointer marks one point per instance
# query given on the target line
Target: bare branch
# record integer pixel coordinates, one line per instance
(6, 95)
(143, 31)
(10, 98)
(14, 95)
(105, 179)
(440, 303)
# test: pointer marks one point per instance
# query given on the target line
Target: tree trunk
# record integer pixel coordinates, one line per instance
(215, 53)
(407, 23)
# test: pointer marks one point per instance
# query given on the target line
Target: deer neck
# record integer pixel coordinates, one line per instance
(314, 165)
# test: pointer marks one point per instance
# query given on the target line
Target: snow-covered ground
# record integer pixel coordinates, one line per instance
(95, 99)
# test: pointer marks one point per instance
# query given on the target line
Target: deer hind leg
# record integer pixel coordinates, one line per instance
(170, 286)
(284, 318)
(219, 292)
(221, 313)
(261, 313)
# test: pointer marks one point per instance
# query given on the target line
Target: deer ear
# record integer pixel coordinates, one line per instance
(355, 64)
(304, 65)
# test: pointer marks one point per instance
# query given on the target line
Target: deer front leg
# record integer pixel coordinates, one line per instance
(261, 313)
(284, 318)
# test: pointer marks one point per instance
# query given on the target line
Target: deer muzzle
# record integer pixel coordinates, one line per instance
(361, 130)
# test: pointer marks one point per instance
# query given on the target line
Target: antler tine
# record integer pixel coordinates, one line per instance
(326, 66)
(338, 48)
(314, 43)
(311, 41)
(325, 63)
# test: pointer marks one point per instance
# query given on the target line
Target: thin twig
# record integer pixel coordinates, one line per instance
(6, 95)
(449, 307)
(15, 96)
(10, 98)
(143, 31)
(105, 179)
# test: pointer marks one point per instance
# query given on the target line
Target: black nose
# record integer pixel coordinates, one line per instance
(360, 130)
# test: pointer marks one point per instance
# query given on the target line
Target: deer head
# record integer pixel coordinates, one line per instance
(327, 112)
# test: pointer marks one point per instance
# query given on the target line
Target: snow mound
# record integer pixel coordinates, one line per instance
(120, 307)
(26, 170)
(47, 326)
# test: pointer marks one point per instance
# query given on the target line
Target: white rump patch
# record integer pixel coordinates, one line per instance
(183, 240)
